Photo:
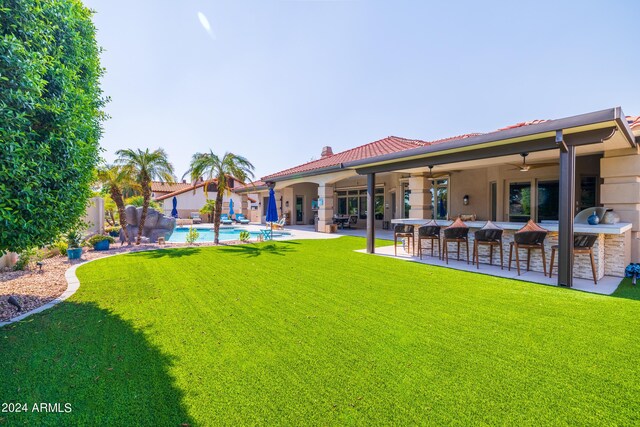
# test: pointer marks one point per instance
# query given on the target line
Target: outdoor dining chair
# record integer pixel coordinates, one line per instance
(403, 231)
(430, 232)
(489, 235)
(530, 237)
(458, 232)
(582, 244)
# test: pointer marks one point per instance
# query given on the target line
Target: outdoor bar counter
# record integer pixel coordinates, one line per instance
(611, 250)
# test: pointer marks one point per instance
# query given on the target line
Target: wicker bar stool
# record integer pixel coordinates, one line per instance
(582, 244)
(403, 231)
(489, 235)
(529, 237)
(430, 232)
(458, 232)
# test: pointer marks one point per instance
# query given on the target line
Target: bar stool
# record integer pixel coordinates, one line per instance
(529, 237)
(489, 235)
(458, 232)
(431, 232)
(403, 231)
(582, 244)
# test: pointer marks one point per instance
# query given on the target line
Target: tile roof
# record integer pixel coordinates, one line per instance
(189, 187)
(390, 144)
(164, 187)
(251, 185)
(394, 144)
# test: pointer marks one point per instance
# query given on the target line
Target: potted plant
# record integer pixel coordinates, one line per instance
(100, 242)
(74, 244)
(113, 231)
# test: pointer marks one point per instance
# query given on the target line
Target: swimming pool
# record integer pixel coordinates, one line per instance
(206, 234)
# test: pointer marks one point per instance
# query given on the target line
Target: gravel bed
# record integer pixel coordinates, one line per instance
(36, 287)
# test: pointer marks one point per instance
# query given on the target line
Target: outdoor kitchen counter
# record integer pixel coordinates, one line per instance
(611, 250)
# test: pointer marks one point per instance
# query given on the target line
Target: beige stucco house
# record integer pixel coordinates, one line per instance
(191, 197)
(510, 175)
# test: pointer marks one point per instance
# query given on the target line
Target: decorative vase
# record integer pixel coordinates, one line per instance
(593, 219)
(610, 217)
(102, 245)
(74, 253)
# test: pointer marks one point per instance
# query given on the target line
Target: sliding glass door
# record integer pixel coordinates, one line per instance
(519, 201)
(548, 200)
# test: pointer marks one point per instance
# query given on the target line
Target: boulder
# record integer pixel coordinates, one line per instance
(156, 225)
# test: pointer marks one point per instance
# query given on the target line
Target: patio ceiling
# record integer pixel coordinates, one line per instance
(587, 132)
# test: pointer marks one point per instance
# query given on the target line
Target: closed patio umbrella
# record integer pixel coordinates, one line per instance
(174, 211)
(231, 212)
(272, 210)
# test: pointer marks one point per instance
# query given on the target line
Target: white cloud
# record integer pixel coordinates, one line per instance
(206, 25)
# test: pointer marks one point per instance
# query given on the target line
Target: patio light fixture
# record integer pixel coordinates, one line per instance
(465, 200)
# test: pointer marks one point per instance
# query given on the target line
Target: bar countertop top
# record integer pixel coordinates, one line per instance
(618, 228)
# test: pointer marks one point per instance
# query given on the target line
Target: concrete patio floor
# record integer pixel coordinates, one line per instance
(606, 286)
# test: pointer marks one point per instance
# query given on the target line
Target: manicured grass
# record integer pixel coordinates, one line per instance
(311, 332)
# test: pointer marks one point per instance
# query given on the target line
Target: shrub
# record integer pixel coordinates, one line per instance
(61, 246)
(138, 201)
(192, 236)
(114, 229)
(97, 238)
(27, 257)
(50, 115)
(244, 236)
(74, 239)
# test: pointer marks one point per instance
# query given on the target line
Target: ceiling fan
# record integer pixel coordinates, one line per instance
(524, 167)
(433, 177)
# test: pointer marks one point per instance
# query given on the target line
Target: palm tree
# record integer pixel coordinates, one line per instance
(116, 179)
(146, 166)
(216, 169)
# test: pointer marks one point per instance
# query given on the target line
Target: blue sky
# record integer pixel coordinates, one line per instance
(276, 80)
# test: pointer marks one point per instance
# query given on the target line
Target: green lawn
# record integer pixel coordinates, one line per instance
(311, 332)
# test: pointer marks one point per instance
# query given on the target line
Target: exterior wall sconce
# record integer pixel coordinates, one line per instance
(465, 200)
(286, 204)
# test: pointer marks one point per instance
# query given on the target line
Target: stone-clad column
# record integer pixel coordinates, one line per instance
(325, 207)
(244, 208)
(620, 191)
(420, 198)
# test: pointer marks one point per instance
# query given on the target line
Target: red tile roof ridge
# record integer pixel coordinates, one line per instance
(393, 144)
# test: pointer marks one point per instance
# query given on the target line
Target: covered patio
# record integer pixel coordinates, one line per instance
(604, 134)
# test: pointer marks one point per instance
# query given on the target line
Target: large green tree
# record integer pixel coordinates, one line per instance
(146, 166)
(50, 118)
(218, 169)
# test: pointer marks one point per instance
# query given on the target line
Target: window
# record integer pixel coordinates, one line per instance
(440, 198)
(548, 199)
(493, 191)
(588, 192)
(378, 204)
(407, 205)
(354, 202)
(519, 201)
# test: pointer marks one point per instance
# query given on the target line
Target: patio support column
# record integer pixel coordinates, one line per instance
(371, 225)
(420, 197)
(325, 207)
(566, 211)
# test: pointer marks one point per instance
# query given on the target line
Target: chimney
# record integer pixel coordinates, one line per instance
(326, 152)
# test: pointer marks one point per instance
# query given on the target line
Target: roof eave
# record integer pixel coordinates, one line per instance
(312, 172)
(507, 136)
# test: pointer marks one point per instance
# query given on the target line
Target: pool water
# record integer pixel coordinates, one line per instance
(207, 235)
